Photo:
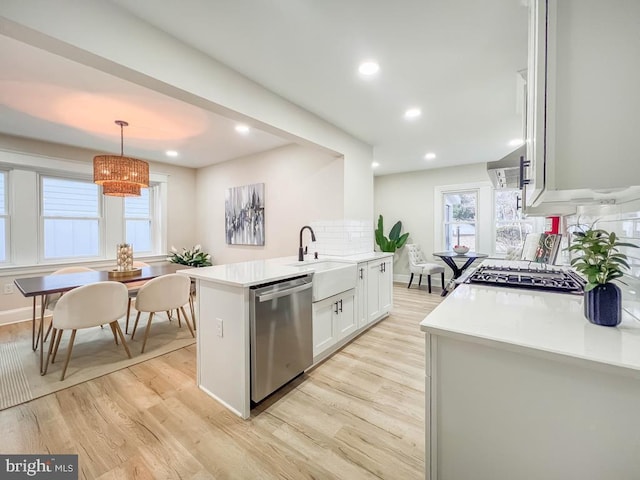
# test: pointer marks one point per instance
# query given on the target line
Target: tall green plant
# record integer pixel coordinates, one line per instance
(601, 260)
(394, 241)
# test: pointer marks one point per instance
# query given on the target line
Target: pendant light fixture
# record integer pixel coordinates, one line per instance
(120, 176)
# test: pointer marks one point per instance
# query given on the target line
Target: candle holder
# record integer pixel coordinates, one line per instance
(124, 257)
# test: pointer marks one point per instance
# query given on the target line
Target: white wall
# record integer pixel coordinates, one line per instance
(409, 197)
(302, 185)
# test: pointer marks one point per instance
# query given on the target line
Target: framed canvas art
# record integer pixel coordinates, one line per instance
(244, 215)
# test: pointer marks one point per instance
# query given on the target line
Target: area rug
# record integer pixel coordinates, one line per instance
(94, 354)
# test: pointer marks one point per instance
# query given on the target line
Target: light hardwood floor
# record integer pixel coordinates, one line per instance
(358, 415)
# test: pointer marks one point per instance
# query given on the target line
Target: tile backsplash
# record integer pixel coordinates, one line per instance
(342, 237)
(624, 220)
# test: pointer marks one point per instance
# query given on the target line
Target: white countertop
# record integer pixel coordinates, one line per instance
(543, 321)
(255, 272)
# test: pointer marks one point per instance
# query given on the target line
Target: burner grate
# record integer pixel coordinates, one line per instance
(547, 279)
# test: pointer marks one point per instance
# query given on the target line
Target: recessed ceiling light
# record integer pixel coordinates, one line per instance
(412, 113)
(516, 142)
(369, 68)
(171, 153)
(430, 156)
(375, 164)
(242, 128)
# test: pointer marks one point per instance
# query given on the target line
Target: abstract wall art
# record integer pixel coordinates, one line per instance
(244, 215)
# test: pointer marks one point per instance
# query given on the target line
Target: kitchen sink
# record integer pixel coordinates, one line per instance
(329, 277)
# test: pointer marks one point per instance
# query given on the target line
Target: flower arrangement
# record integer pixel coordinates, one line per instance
(194, 257)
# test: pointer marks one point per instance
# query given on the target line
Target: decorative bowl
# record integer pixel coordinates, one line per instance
(460, 250)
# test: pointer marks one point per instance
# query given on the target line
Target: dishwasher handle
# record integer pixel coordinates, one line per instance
(265, 297)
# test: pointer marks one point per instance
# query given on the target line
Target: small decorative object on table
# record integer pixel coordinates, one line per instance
(600, 262)
(194, 257)
(124, 257)
(460, 249)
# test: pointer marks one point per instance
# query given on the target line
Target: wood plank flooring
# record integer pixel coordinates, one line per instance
(358, 415)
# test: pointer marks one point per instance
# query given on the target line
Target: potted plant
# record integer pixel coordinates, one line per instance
(600, 262)
(394, 241)
(194, 257)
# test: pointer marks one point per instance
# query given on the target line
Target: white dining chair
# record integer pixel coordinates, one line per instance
(84, 307)
(50, 300)
(418, 264)
(163, 294)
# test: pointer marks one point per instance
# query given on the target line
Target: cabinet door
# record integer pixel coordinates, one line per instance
(385, 286)
(345, 315)
(361, 295)
(374, 271)
(536, 102)
(324, 328)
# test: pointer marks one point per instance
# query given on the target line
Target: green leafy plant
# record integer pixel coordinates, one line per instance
(601, 260)
(394, 241)
(194, 257)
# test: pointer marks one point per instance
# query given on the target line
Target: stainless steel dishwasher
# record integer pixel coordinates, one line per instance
(281, 334)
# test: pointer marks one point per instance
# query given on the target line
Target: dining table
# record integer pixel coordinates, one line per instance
(39, 287)
(450, 258)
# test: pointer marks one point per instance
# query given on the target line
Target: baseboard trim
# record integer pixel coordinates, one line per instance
(17, 315)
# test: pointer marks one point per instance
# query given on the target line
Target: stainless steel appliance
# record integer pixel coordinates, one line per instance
(281, 333)
(550, 279)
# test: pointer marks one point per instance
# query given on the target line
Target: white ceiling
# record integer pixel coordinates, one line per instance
(455, 59)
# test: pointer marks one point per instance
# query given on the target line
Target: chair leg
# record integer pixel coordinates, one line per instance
(429, 282)
(146, 332)
(53, 337)
(135, 326)
(410, 280)
(55, 349)
(126, 325)
(46, 335)
(179, 321)
(70, 348)
(170, 315)
(442, 280)
(116, 327)
(420, 281)
(186, 320)
(113, 330)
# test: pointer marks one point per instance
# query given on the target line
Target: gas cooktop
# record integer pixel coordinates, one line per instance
(551, 279)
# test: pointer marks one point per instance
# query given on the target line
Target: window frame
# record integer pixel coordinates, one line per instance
(41, 259)
(446, 223)
(154, 221)
(24, 228)
(536, 222)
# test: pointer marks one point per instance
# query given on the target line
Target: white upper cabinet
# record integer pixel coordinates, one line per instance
(583, 101)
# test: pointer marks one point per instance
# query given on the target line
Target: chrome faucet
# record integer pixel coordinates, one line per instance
(313, 239)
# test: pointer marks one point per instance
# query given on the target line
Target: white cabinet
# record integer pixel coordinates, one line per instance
(379, 288)
(333, 319)
(361, 295)
(582, 101)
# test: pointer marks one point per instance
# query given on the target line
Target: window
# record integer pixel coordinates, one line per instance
(138, 215)
(70, 218)
(460, 210)
(511, 227)
(4, 217)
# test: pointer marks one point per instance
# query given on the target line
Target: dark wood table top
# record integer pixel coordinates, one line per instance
(33, 286)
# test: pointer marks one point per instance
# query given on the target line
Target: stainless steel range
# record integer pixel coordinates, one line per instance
(551, 279)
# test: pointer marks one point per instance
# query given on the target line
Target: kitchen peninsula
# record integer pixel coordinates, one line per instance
(343, 307)
(520, 385)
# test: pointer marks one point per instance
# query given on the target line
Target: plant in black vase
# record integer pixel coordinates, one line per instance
(194, 257)
(600, 262)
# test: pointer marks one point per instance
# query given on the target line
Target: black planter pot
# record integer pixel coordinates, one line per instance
(603, 305)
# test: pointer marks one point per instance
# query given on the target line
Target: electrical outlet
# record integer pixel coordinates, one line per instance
(219, 326)
(8, 288)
